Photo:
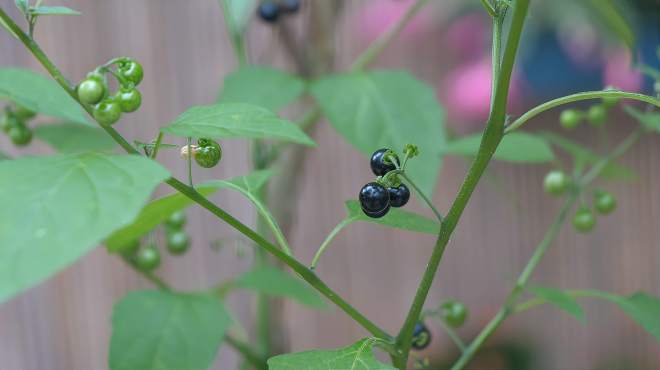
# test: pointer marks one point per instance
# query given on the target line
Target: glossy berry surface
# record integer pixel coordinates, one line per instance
(584, 220)
(91, 91)
(597, 115)
(570, 118)
(555, 182)
(178, 242)
(269, 11)
(377, 214)
(379, 165)
(421, 337)
(107, 112)
(208, 153)
(131, 71)
(454, 313)
(604, 202)
(20, 135)
(176, 220)
(399, 196)
(129, 100)
(374, 199)
(290, 6)
(148, 258)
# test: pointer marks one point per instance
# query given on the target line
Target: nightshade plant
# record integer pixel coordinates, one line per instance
(100, 197)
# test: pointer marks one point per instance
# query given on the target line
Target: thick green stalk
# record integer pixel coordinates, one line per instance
(491, 139)
(192, 194)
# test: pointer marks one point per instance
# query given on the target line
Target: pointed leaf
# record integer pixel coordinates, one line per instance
(236, 120)
(515, 147)
(271, 281)
(396, 218)
(263, 86)
(75, 138)
(22, 5)
(358, 356)
(561, 300)
(650, 120)
(387, 109)
(166, 331)
(54, 10)
(55, 209)
(641, 307)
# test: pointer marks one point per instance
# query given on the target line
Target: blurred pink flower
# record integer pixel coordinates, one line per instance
(466, 36)
(466, 92)
(618, 72)
(378, 15)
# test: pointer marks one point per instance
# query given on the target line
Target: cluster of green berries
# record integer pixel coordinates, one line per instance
(270, 10)
(596, 115)
(94, 90)
(452, 313)
(557, 182)
(14, 122)
(207, 153)
(377, 197)
(178, 242)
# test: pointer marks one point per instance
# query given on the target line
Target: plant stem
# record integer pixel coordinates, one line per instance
(423, 196)
(451, 333)
(159, 140)
(490, 140)
(248, 354)
(192, 194)
(345, 222)
(489, 8)
(578, 97)
(189, 163)
(160, 283)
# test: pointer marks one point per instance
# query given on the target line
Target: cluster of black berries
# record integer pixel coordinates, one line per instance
(270, 10)
(375, 198)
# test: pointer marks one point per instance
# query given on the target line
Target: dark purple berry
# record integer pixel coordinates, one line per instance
(421, 337)
(399, 196)
(379, 165)
(377, 214)
(374, 200)
(269, 11)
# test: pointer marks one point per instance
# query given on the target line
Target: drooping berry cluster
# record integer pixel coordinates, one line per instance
(377, 197)
(94, 90)
(207, 152)
(270, 10)
(596, 115)
(14, 122)
(177, 243)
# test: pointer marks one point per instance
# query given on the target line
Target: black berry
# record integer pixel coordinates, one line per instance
(290, 6)
(399, 196)
(379, 165)
(374, 200)
(421, 336)
(269, 11)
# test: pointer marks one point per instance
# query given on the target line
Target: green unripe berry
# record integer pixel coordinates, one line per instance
(454, 313)
(107, 112)
(570, 118)
(148, 258)
(20, 135)
(176, 220)
(23, 113)
(131, 71)
(584, 220)
(555, 182)
(597, 115)
(604, 202)
(7, 122)
(178, 242)
(129, 99)
(91, 90)
(208, 153)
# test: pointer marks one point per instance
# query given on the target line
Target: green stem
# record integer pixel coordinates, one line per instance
(451, 333)
(535, 302)
(308, 275)
(599, 166)
(578, 97)
(490, 140)
(246, 352)
(489, 8)
(498, 26)
(423, 196)
(159, 140)
(189, 163)
(345, 222)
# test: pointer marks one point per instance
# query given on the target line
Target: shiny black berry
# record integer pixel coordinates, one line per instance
(269, 11)
(421, 337)
(374, 200)
(379, 165)
(399, 196)
(290, 6)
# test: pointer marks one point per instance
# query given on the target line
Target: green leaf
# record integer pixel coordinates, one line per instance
(263, 86)
(372, 110)
(166, 331)
(22, 5)
(610, 15)
(650, 120)
(4, 157)
(561, 300)
(271, 281)
(53, 10)
(236, 120)
(396, 218)
(641, 307)
(55, 209)
(515, 147)
(75, 138)
(359, 356)
(40, 94)
(238, 13)
(151, 216)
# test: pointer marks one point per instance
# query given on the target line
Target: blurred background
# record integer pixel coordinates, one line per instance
(64, 322)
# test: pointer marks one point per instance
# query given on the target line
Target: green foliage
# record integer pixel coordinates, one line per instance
(166, 331)
(75, 138)
(40, 94)
(387, 109)
(271, 281)
(236, 120)
(650, 120)
(53, 10)
(561, 300)
(358, 356)
(515, 147)
(22, 5)
(610, 15)
(55, 209)
(641, 307)
(262, 86)
(396, 218)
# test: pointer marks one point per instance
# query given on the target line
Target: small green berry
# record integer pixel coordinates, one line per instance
(107, 112)
(23, 113)
(176, 220)
(178, 242)
(208, 153)
(584, 220)
(92, 90)
(129, 99)
(597, 115)
(570, 118)
(454, 313)
(556, 182)
(131, 71)
(148, 258)
(20, 135)
(7, 122)
(604, 202)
